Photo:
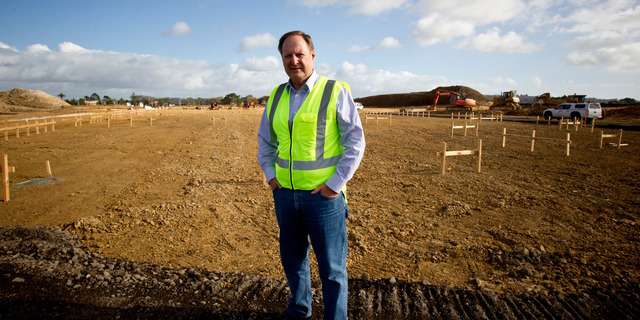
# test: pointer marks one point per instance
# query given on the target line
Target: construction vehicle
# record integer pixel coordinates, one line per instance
(455, 98)
(507, 100)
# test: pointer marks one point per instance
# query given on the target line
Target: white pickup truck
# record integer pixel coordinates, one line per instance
(574, 110)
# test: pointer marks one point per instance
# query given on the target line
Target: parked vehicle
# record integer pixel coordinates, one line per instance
(574, 110)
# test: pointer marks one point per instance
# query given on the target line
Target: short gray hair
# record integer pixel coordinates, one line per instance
(306, 37)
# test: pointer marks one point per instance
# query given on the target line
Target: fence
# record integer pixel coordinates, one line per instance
(452, 153)
(534, 138)
(612, 135)
(28, 127)
(464, 127)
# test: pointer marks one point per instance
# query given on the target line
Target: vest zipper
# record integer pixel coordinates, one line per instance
(291, 156)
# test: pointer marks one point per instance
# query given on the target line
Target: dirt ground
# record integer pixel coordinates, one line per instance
(185, 192)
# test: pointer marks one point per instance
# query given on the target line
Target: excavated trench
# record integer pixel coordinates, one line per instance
(48, 273)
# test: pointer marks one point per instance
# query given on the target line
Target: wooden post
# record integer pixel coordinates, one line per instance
(549, 122)
(451, 115)
(601, 138)
(75, 124)
(444, 158)
(465, 128)
(560, 122)
(452, 125)
(477, 127)
(576, 123)
(37, 128)
(533, 140)
(53, 126)
(504, 137)
(17, 132)
(620, 139)
(45, 126)
(568, 143)
(428, 114)
(150, 121)
(109, 122)
(48, 164)
(593, 124)
(479, 155)
(537, 120)
(5, 178)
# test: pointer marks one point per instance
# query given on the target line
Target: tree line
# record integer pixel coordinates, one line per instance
(135, 99)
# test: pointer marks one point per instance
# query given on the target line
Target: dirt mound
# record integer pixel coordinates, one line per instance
(49, 272)
(418, 98)
(19, 99)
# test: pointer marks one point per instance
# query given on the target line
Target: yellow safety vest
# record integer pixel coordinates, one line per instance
(309, 144)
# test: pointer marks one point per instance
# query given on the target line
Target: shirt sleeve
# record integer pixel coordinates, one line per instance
(352, 139)
(267, 149)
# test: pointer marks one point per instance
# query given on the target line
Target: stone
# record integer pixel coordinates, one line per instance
(18, 280)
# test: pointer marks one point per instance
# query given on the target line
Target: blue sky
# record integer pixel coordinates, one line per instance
(210, 48)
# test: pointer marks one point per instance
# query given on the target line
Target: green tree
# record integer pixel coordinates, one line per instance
(96, 97)
(61, 95)
(231, 98)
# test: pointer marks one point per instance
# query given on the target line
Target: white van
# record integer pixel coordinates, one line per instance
(574, 110)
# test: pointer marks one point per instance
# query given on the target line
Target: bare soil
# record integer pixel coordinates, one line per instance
(186, 193)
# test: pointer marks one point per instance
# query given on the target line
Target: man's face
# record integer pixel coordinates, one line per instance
(297, 59)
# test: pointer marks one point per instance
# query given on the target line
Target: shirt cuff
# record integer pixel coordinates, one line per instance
(269, 173)
(335, 183)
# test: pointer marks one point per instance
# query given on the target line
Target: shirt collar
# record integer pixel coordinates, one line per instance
(307, 85)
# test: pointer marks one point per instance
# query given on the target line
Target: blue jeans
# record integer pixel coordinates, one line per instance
(303, 216)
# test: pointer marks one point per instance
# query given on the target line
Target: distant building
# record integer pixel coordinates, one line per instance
(91, 102)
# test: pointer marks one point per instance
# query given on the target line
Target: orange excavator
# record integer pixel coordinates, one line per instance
(455, 97)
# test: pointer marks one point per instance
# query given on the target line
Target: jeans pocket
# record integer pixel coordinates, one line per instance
(329, 197)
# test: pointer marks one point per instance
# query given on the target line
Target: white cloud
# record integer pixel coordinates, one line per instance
(37, 48)
(434, 29)
(607, 34)
(4, 46)
(257, 41)
(583, 58)
(385, 43)
(77, 71)
(357, 48)
(268, 63)
(622, 58)
(180, 28)
(363, 7)
(367, 81)
(70, 47)
(476, 12)
(492, 41)
(389, 42)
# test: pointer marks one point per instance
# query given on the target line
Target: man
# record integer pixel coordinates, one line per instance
(310, 143)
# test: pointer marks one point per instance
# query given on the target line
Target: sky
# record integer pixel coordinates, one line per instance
(209, 48)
